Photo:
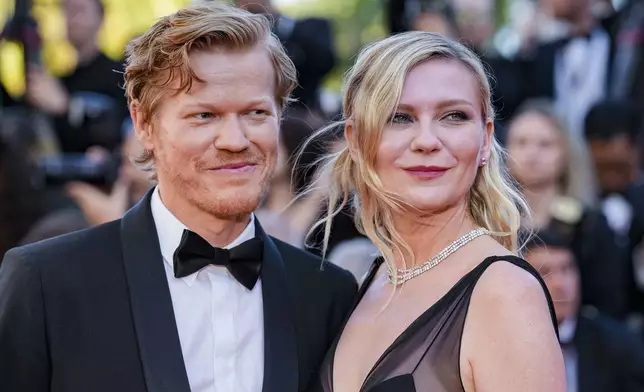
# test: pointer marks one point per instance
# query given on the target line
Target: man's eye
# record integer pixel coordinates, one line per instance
(258, 112)
(203, 116)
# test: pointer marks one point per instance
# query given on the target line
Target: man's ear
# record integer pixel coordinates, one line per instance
(142, 127)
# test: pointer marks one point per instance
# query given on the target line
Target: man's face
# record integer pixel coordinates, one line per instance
(84, 19)
(216, 145)
(559, 271)
(564, 9)
(616, 162)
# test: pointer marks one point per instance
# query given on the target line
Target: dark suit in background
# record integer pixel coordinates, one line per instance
(92, 311)
(610, 358)
(309, 43)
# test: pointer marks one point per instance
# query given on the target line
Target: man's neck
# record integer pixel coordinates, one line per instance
(219, 232)
(86, 54)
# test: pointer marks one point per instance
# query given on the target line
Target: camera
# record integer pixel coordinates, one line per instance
(60, 170)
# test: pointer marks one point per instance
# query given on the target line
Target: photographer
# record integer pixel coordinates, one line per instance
(93, 89)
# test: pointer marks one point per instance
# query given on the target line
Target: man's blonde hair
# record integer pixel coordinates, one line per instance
(160, 57)
(373, 88)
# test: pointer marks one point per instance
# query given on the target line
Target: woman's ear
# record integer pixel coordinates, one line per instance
(488, 139)
(349, 136)
(142, 128)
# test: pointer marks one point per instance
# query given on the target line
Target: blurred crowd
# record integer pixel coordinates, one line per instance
(569, 92)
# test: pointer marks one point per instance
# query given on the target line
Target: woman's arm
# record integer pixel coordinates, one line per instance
(509, 341)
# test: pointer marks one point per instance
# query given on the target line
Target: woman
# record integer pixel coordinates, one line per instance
(554, 171)
(448, 307)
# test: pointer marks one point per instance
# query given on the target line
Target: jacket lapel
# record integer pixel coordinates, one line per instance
(152, 311)
(280, 348)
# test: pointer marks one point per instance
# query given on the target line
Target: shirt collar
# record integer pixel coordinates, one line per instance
(567, 330)
(170, 229)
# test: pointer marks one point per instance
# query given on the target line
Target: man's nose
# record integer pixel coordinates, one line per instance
(231, 136)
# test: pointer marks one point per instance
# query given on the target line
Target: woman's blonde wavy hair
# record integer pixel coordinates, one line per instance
(373, 89)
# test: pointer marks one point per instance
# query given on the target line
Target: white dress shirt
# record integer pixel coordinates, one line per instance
(566, 334)
(581, 69)
(220, 322)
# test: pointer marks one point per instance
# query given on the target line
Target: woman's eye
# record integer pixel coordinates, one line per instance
(457, 116)
(258, 112)
(400, 118)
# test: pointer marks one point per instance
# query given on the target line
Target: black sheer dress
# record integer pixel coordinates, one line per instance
(425, 357)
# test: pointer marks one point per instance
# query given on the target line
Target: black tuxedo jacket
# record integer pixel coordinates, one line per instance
(91, 311)
(610, 358)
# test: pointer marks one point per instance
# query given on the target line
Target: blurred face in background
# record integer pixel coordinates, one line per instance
(564, 9)
(616, 162)
(558, 268)
(84, 19)
(536, 150)
(433, 22)
(430, 151)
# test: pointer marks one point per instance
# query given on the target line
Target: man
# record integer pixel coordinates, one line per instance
(601, 355)
(95, 83)
(309, 43)
(613, 131)
(186, 292)
(573, 71)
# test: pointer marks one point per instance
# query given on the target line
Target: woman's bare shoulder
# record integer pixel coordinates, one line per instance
(509, 334)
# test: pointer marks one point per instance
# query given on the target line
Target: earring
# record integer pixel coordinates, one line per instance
(483, 162)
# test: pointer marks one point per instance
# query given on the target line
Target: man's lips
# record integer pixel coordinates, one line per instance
(240, 167)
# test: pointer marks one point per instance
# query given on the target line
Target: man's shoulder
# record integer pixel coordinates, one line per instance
(305, 264)
(70, 247)
(607, 331)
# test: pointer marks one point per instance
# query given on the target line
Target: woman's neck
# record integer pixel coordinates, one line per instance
(540, 200)
(429, 235)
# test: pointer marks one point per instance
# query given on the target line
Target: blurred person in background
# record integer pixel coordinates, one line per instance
(96, 84)
(309, 43)
(554, 171)
(437, 17)
(613, 131)
(601, 354)
(93, 205)
(20, 202)
(283, 216)
(440, 17)
(573, 71)
(131, 186)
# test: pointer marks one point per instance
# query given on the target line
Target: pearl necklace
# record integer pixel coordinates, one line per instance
(405, 274)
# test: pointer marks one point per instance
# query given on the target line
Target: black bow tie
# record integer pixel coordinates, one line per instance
(244, 261)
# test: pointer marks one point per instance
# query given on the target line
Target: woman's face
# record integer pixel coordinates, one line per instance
(536, 150)
(431, 149)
